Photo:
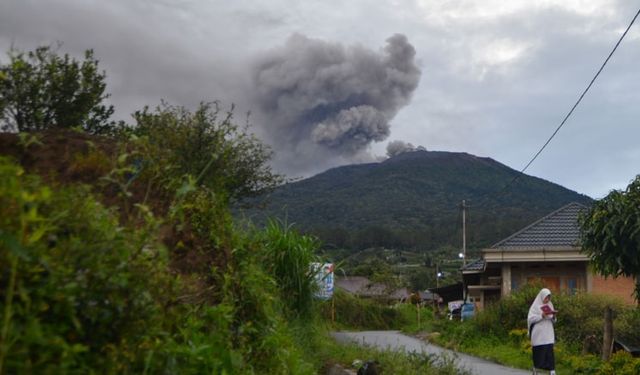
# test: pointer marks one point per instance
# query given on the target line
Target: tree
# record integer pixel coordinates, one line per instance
(422, 278)
(611, 234)
(209, 146)
(41, 90)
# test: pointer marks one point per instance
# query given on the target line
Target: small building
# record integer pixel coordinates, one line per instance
(361, 286)
(429, 296)
(549, 251)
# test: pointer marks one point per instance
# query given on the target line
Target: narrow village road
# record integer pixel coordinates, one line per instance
(394, 340)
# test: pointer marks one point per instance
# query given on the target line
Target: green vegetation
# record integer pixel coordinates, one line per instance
(412, 202)
(392, 362)
(82, 292)
(289, 257)
(350, 312)
(400, 268)
(611, 234)
(207, 145)
(40, 90)
(94, 289)
(499, 333)
(119, 253)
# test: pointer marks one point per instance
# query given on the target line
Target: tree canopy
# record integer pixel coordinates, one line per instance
(611, 233)
(208, 145)
(41, 90)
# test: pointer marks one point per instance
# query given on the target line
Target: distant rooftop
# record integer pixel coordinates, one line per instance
(559, 229)
(474, 267)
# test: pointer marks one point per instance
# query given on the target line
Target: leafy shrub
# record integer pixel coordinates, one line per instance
(359, 313)
(258, 329)
(80, 293)
(77, 290)
(507, 314)
(206, 145)
(621, 363)
(583, 364)
(95, 163)
(627, 326)
(582, 315)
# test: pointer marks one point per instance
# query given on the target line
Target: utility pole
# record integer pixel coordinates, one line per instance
(464, 233)
(464, 247)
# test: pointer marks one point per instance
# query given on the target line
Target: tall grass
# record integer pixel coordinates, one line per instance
(287, 256)
(357, 313)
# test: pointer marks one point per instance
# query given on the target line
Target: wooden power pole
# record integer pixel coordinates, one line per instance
(464, 233)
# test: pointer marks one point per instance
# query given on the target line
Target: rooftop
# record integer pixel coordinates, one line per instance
(559, 229)
(474, 267)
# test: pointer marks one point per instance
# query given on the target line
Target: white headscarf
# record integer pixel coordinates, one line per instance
(535, 312)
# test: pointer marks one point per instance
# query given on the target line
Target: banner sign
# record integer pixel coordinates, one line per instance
(324, 279)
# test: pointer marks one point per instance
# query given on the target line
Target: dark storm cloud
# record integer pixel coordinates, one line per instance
(317, 96)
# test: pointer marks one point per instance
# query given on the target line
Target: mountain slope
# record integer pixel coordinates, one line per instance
(413, 200)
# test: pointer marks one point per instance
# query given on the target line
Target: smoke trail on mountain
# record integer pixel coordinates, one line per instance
(395, 148)
(323, 102)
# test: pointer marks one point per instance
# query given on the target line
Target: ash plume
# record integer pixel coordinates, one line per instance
(322, 103)
(398, 147)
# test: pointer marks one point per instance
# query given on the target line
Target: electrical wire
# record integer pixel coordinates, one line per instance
(575, 105)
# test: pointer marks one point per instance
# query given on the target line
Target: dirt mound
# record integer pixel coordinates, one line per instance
(58, 155)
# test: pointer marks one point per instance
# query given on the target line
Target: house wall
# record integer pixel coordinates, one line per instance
(562, 277)
(558, 276)
(621, 287)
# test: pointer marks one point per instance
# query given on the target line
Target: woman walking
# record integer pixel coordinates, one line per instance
(540, 320)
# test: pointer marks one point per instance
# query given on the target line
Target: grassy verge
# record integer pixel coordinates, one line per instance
(317, 344)
(499, 333)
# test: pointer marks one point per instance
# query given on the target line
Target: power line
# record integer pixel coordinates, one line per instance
(575, 105)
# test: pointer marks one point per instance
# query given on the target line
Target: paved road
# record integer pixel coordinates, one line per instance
(394, 340)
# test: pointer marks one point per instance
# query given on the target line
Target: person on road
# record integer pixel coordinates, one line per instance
(540, 321)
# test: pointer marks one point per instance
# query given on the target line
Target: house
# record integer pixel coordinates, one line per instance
(363, 287)
(547, 250)
(429, 296)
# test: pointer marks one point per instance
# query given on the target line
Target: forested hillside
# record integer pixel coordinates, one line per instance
(413, 201)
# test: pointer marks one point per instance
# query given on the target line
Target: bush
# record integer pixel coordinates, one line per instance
(627, 326)
(206, 145)
(582, 315)
(508, 314)
(621, 363)
(500, 331)
(358, 313)
(77, 290)
(80, 293)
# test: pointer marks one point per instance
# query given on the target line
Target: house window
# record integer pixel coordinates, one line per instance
(572, 286)
(514, 284)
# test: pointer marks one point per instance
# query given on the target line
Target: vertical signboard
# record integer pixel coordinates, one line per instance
(324, 279)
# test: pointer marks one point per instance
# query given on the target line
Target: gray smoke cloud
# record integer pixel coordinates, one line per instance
(395, 148)
(322, 103)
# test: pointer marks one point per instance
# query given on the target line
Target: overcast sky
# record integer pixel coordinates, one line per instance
(333, 82)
